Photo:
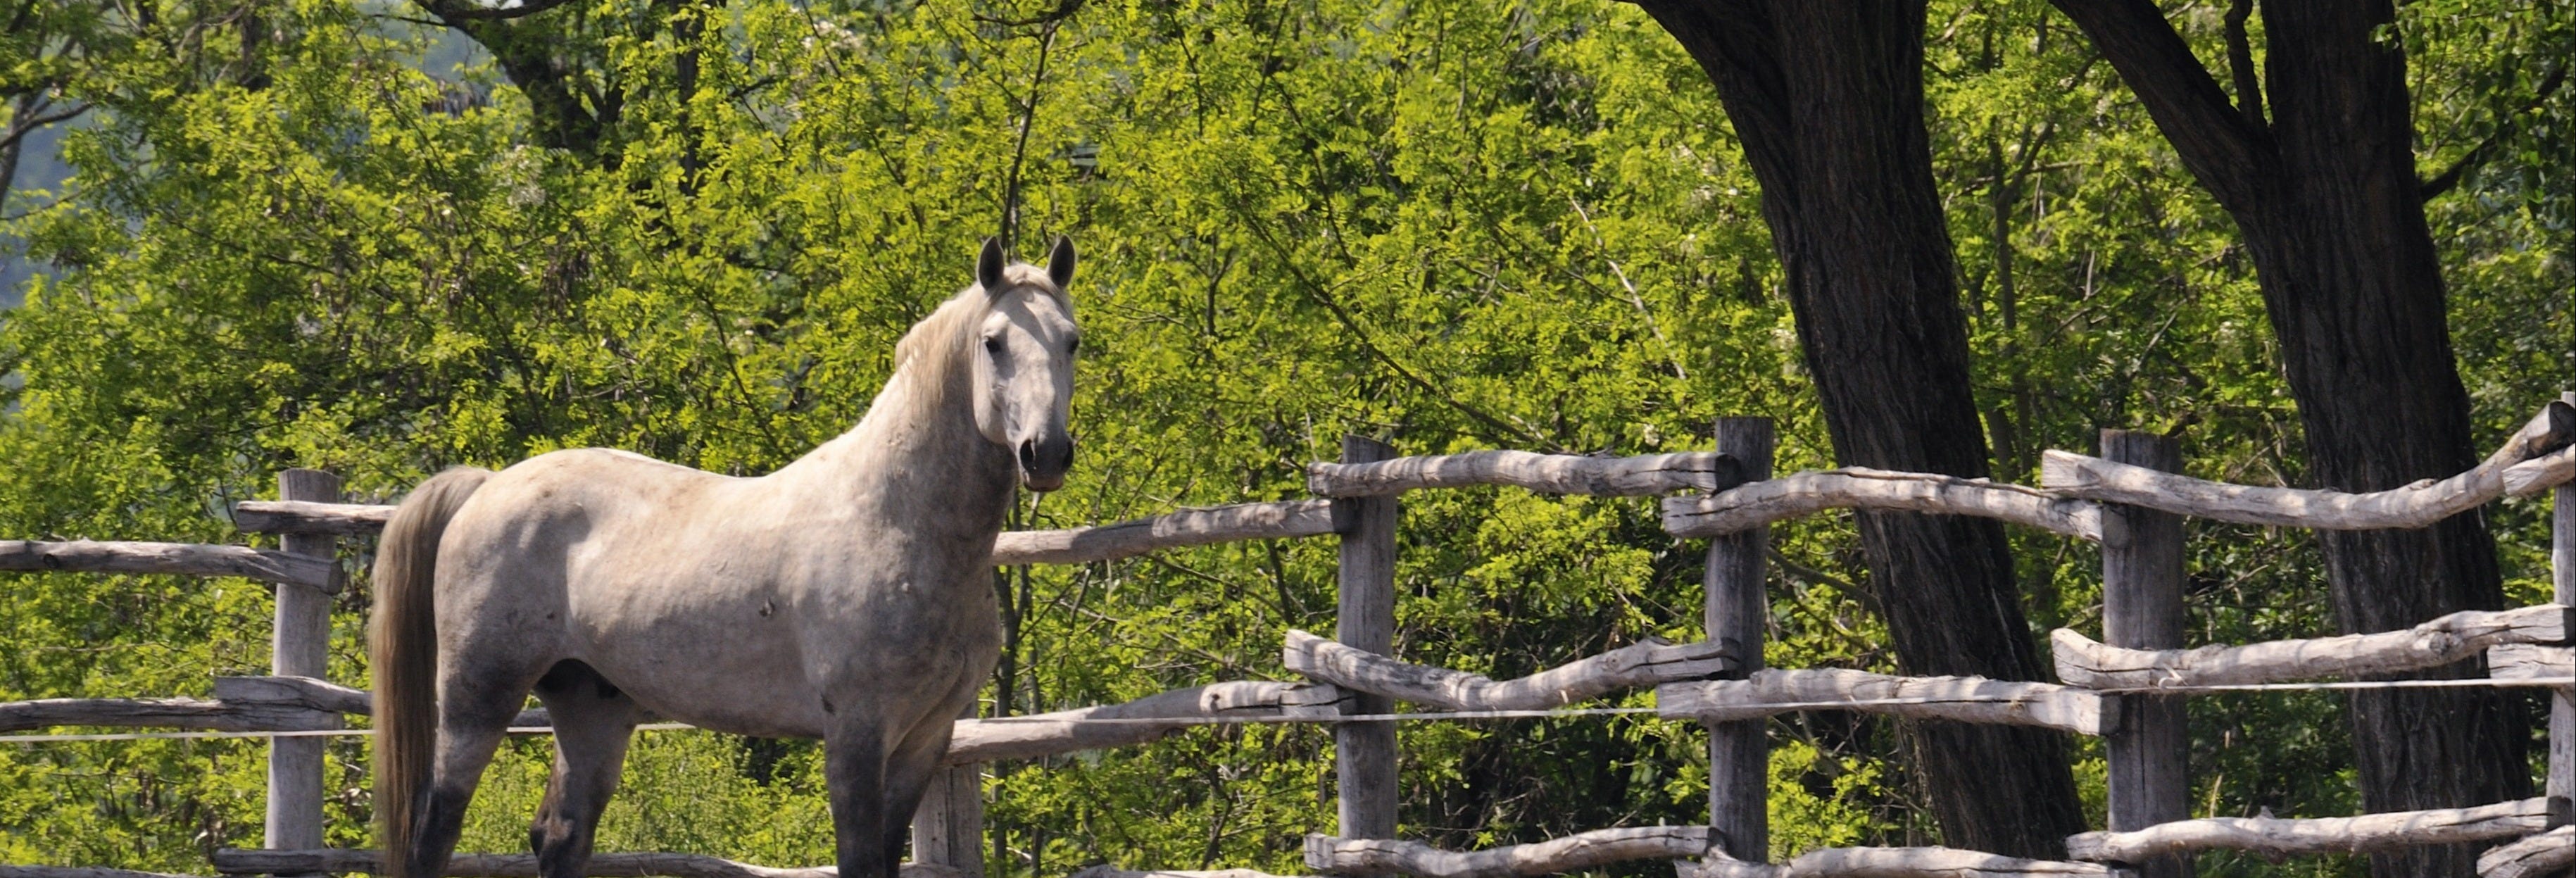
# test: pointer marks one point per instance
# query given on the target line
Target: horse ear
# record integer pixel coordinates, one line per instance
(988, 266)
(1060, 262)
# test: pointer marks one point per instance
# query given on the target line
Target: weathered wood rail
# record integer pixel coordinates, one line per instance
(180, 559)
(2416, 505)
(236, 861)
(1758, 503)
(2525, 661)
(1584, 850)
(1034, 736)
(1635, 666)
(1544, 473)
(1924, 862)
(2083, 662)
(1959, 699)
(2276, 837)
(2537, 856)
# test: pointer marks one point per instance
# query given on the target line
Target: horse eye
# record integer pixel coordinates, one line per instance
(993, 345)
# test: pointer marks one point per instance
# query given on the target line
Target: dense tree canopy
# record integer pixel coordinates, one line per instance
(348, 236)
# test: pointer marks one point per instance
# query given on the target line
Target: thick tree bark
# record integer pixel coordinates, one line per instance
(1827, 99)
(2326, 196)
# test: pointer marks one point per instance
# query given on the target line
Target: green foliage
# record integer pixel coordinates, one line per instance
(298, 242)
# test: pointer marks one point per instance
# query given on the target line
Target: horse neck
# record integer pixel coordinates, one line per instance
(919, 467)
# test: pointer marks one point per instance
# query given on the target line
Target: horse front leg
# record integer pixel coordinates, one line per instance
(854, 776)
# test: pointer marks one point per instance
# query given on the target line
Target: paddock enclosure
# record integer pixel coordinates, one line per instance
(2128, 687)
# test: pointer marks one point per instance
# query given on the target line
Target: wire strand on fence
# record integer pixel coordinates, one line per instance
(1441, 716)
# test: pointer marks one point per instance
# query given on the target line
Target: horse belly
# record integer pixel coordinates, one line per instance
(744, 681)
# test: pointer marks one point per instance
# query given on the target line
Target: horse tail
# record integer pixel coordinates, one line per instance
(402, 643)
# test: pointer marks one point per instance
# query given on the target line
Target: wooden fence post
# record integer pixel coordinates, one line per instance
(2561, 787)
(1364, 753)
(300, 646)
(1739, 752)
(2142, 608)
(948, 829)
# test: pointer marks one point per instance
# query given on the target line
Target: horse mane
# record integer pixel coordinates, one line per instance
(931, 356)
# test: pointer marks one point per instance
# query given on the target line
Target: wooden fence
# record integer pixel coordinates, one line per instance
(2128, 688)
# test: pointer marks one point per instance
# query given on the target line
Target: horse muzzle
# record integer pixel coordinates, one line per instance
(1044, 461)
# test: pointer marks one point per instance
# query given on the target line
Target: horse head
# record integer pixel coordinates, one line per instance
(1023, 372)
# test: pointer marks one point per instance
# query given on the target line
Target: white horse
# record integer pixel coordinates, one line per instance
(844, 597)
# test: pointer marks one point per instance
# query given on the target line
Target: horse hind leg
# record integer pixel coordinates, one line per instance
(593, 723)
(474, 710)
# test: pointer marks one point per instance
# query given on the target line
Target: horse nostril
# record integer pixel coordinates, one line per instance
(1029, 454)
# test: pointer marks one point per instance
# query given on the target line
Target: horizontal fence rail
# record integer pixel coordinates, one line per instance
(1544, 473)
(182, 559)
(2083, 662)
(236, 861)
(1960, 699)
(1639, 665)
(1048, 734)
(2535, 857)
(162, 713)
(1751, 505)
(2416, 505)
(1105, 870)
(308, 517)
(1924, 862)
(2275, 837)
(1584, 850)
(2525, 661)
(1187, 527)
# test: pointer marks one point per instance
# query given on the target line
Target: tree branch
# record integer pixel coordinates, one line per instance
(453, 11)
(2477, 155)
(2240, 64)
(2229, 156)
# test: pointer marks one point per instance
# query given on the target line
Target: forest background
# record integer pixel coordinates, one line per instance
(315, 233)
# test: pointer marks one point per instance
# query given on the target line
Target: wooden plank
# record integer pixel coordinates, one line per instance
(1572, 853)
(2142, 608)
(1633, 666)
(1187, 527)
(1763, 502)
(1048, 734)
(1735, 611)
(310, 517)
(236, 861)
(2560, 784)
(948, 828)
(2083, 662)
(313, 694)
(1545, 473)
(1104, 870)
(2541, 473)
(162, 713)
(1364, 752)
(179, 559)
(300, 646)
(2538, 856)
(7, 871)
(2275, 837)
(1926, 862)
(2528, 661)
(1959, 699)
(2416, 505)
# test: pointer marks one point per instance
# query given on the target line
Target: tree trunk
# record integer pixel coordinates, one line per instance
(1828, 102)
(2326, 196)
